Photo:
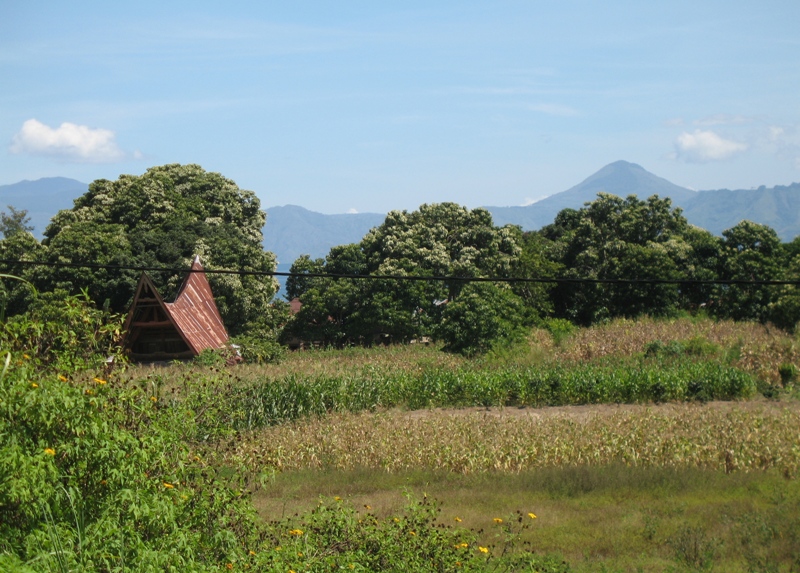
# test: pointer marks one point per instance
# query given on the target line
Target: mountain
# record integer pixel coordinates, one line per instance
(619, 178)
(292, 231)
(42, 198)
(778, 207)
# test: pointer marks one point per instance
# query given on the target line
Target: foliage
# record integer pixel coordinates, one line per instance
(14, 222)
(98, 477)
(63, 331)
(484, 315)
(751, 252)
(438, 240)
(162, 218)
(612, 239)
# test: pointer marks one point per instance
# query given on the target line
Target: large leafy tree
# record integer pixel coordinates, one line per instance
(163, 218)
(437, 240)
(617, 239)
(750, 252)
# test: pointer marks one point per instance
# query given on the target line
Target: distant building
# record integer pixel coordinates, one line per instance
(157, 330)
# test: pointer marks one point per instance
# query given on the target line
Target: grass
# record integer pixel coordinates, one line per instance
(613, 517)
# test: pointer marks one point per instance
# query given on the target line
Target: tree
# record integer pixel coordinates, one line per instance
(164, 218)
(750, 252)
(14, 222)
(439, 240)
(617, 239)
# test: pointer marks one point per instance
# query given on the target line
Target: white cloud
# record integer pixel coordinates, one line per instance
(69, 142)
(704, 146)
(352, 211)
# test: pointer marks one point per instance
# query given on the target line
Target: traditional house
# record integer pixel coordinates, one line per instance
(157, 330)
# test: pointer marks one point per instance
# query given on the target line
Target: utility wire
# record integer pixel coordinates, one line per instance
(436, 278)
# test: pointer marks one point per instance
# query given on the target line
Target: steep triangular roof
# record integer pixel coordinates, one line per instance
(196, 314)
(192, 318)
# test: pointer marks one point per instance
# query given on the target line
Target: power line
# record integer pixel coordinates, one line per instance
(434, 278)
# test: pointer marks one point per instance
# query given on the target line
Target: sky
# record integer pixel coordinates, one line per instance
(364, 106)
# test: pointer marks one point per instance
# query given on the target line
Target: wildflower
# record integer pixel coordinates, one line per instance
(337, 498)
(367, 507)
(458, 563)
(168, 485)
(153, 399)
(461, 545)
(396, 520)
(50, 451)
(26, 357)
(299, 553)
(457, 519)
(295, 532)
(34, 385)
(100, 381)
(497, 520)
(62, 377)
(483, 549)
(229, 565)
(252, 552)
(412, 533)
(532, 515)
(291, 571)
(89, 391)
(352, 566)
(278, 548)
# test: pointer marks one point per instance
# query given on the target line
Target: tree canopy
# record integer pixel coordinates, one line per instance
(162, 218)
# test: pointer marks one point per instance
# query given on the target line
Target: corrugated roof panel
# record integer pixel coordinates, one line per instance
(196, 314)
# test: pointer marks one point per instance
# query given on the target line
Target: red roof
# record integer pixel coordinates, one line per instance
(195, 313)
(155, 328)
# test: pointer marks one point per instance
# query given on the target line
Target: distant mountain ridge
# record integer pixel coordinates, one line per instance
(42, 198)
(292, 231)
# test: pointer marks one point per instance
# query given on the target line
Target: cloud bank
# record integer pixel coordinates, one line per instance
(705, 146)
(68, 142)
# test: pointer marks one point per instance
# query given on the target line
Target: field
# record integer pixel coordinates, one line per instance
(634, 446)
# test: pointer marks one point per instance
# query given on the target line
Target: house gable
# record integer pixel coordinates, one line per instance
(158, 330)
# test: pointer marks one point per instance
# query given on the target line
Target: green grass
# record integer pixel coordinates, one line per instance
(617, 517)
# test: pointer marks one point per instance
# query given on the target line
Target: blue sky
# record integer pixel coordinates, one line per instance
(372, 106)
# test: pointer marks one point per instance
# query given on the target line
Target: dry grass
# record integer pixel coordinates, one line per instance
(756, 348)
(723, 436)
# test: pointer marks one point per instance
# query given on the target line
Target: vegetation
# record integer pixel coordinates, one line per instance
(144, 469)
(162, 218)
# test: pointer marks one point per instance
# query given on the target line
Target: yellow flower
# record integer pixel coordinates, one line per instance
(532, 515)
(291, 571)
(62, 377)
(168, 485)
(461, 545)
(497, 520)
(299, 553)
(278, 548)
(89, 391)
(100, 381)
(352, 566)
(26, 357)
(412, 533)
(229, 566)
(295, 532)
(50, 451)
(483, 549)
(457, 519)
(153, 399)
(337, 498)
(34, 385)
(367, 507)
(252, 552)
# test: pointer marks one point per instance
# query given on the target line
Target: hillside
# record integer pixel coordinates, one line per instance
(42, 198)
(292, 231)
